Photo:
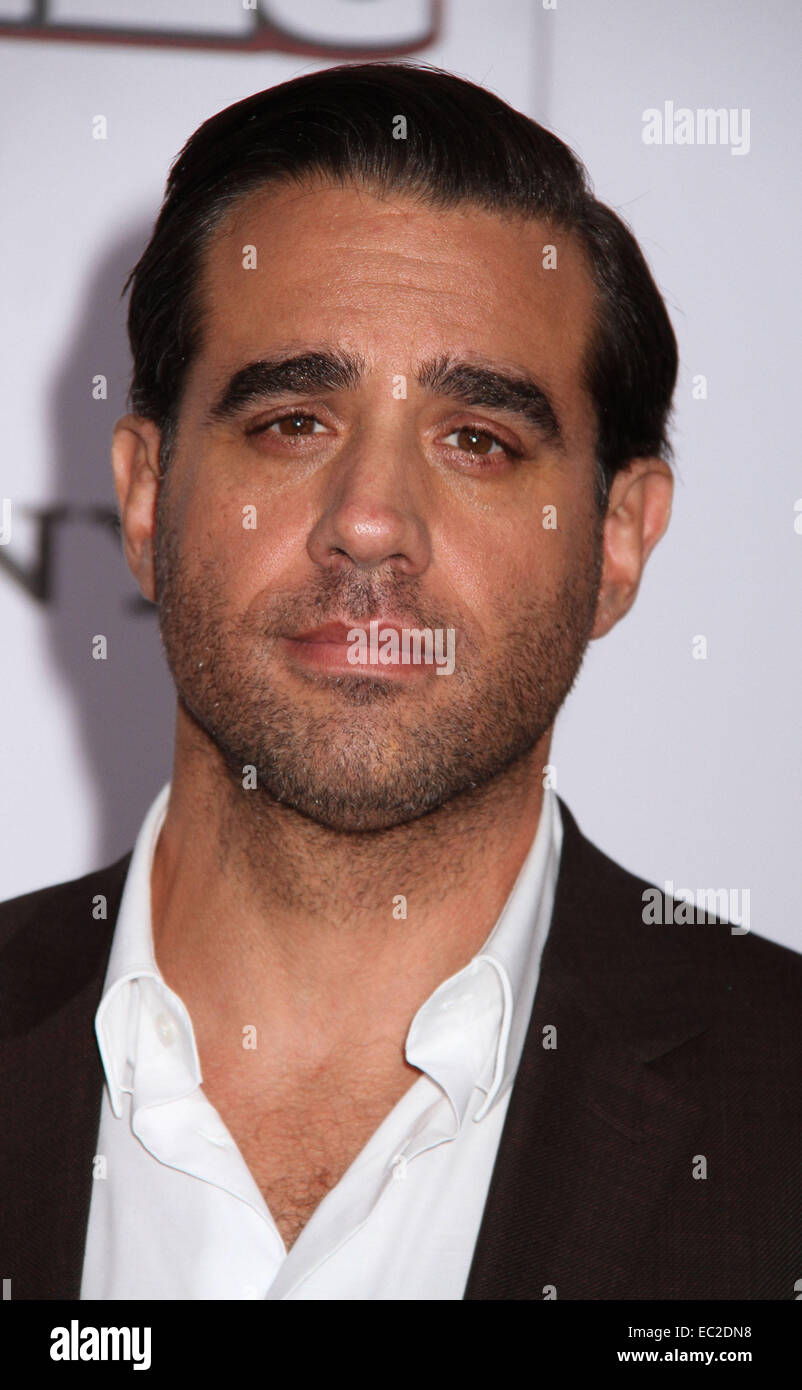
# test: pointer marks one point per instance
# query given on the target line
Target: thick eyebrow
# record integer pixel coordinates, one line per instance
(308, 373)
(305, 373)
(515, 392)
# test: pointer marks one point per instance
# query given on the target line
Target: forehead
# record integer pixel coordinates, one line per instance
(395, 279)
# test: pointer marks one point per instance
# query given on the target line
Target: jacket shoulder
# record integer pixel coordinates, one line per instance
(57, 898)
(709, 954)
(53, 941)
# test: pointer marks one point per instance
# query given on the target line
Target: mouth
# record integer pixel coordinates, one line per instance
(333, 634)
(364, 647)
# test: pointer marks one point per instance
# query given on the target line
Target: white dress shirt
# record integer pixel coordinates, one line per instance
(175, 1211)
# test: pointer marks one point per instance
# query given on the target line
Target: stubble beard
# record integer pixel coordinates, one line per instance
(358, 753)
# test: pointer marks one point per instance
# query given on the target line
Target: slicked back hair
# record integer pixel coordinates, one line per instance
(462, 145)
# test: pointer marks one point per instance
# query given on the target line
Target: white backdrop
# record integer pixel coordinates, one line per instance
(683, 769)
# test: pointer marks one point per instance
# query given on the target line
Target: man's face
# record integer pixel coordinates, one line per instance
(380, 498)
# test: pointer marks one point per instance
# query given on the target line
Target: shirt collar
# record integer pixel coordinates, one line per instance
(143, 1029)
(469, 1033)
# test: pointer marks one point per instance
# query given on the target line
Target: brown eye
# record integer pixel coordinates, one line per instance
(476, 441)
(295, 424)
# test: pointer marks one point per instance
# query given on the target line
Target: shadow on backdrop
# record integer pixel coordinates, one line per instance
(125, 705)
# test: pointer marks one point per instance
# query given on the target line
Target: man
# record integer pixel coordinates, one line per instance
(372, 1019)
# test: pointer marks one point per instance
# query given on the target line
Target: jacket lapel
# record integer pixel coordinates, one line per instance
(597, 1137)
(51, 1077)
(597, 1134)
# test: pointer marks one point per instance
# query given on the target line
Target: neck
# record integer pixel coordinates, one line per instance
(262, 917)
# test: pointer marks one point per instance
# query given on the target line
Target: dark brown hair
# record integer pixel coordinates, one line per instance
(463, 144)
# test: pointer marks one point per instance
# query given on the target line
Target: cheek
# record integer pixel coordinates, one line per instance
(503, 570)
(269, 541)
(251, 541)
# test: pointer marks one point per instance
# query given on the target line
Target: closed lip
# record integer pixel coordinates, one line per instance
(337, 633)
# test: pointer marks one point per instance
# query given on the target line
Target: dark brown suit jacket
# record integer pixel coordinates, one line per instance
(675, 1043)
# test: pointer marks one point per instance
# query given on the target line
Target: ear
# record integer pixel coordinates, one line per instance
(638, 512)
(137, 476)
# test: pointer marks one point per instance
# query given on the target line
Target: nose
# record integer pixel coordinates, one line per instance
(372, 513)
